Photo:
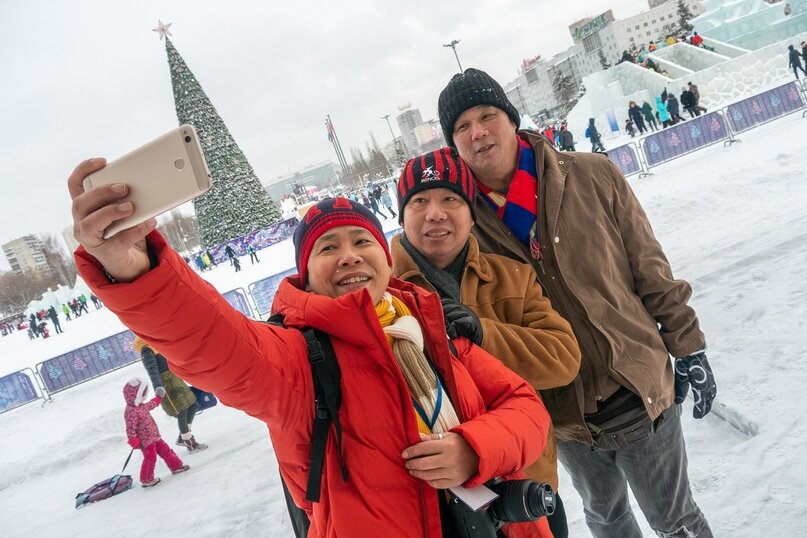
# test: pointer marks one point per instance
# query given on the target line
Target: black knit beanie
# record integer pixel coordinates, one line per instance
(442, 168)
(467, 90)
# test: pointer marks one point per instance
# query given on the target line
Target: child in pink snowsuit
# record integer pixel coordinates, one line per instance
(143, 433)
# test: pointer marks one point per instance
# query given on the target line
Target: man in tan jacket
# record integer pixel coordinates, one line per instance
(573, 217)
(492, 300)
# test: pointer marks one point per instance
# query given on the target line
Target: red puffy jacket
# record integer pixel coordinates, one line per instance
(264, 371)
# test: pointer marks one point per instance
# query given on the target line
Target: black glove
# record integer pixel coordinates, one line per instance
(695, 370)
(461, 321)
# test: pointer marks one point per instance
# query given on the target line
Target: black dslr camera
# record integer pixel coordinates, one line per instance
(519, 501)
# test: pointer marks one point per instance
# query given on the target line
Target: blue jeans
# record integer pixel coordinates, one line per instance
(656, 471)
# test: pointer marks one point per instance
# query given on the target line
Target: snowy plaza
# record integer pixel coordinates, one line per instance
(725, 193)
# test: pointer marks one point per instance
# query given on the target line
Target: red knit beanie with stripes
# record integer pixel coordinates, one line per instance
(441, 169)
(331, 213)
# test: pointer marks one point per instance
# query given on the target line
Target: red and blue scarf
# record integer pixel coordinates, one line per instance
(518, 209)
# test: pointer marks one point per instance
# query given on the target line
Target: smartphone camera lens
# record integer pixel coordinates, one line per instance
(187, 138)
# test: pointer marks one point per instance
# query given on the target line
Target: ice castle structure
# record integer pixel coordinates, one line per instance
(746, 53)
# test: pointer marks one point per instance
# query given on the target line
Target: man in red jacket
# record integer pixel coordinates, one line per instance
(399, 439)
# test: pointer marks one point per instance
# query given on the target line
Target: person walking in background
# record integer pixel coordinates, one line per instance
(253, 255)
(629, 128)
(54, 317)
(66, 312)
(211, 258)
(689, 103)
(635, 114)
(594, 136)
(804, 51)
(95, 301)
(493, 300)
(228, 250)
(696, 92)
(580, 226)
(386, 201)
(673, 109)
(794, 61)
(236, 264)
(374, 206)
(178, 400)
(142, 432)
(82, 303)
(663, 114)
(649, 116)
(566, 138)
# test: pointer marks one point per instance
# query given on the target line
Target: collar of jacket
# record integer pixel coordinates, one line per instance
(404, 267)
(552, 168)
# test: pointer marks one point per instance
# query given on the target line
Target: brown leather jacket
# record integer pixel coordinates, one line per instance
(606, 273)
(519, 327)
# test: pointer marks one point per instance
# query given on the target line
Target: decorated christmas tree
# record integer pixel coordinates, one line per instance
(237, 204)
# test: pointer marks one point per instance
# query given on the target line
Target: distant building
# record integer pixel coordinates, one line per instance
(323, 176)
(658, 23)
(25, 254)
(408, 119)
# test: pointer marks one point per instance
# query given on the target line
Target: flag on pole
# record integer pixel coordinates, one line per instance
(329, 125)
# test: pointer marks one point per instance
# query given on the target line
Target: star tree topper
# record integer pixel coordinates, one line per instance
(162, 29)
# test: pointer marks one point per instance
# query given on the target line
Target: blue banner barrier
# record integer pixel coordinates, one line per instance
(259, 239)
(15, 390)
(88, 362)
(686, 137)
(626, 159)
(238, 300)
(263, 291)
(764, 107)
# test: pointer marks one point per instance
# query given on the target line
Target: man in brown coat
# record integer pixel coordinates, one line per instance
(574, 218)
(493, 300)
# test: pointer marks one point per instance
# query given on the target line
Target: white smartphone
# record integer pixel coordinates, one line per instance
(161, 175)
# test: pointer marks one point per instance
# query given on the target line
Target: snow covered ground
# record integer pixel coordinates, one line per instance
(733, 222)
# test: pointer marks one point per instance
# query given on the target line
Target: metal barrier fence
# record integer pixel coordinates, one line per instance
(238, 300)
(18, 389)
(764, 107)
(88, 362)
(692, 135)
(627, 159)
(263, 291)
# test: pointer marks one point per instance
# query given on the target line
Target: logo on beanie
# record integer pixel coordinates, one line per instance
(430, 174)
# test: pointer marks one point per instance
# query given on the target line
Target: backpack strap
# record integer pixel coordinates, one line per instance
(327, 376)
(328, 397)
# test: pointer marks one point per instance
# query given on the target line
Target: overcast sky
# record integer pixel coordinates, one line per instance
(89, 78)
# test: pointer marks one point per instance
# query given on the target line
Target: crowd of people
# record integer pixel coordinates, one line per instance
(37, 323)
(484, 319)
(640, 56)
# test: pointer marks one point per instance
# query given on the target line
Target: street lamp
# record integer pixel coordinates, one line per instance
(453, 46)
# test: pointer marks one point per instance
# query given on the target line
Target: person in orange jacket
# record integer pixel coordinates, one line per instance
(416, 416)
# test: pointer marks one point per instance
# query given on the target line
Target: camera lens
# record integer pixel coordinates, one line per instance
(187, 138)
(522, 500)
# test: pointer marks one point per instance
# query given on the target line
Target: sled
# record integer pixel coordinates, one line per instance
(106, 488)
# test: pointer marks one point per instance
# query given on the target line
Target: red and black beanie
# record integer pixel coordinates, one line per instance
(328, 214)
(441, 169)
